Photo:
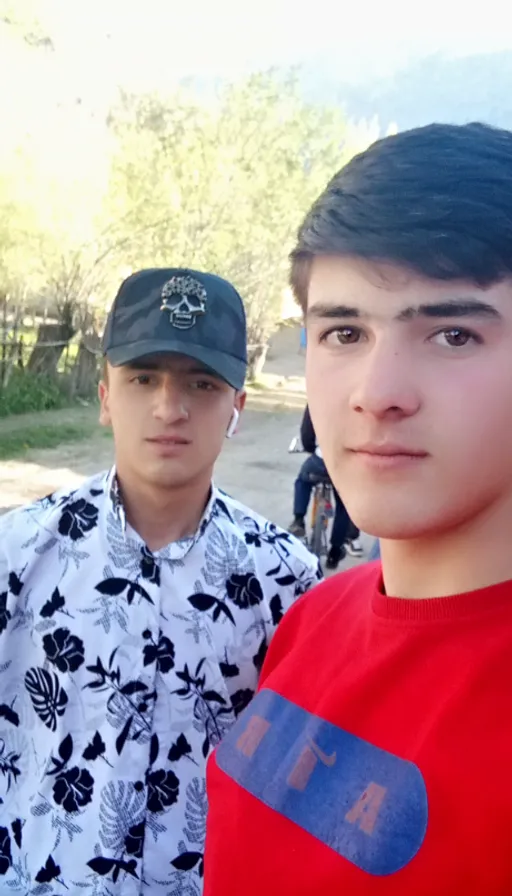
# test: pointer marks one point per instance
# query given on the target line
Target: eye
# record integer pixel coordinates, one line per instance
(343, 336)
(456, 337)
(203, 385)
(142, 379)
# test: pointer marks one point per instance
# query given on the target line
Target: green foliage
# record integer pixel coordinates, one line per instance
(27, 392)
(223, 186)
(217, 182)
(18, 442)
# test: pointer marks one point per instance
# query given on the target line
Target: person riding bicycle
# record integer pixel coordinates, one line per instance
(344, 535)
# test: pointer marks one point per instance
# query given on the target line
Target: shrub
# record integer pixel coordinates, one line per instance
(25, 392)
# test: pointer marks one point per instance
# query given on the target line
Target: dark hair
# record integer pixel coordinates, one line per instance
(437, 200)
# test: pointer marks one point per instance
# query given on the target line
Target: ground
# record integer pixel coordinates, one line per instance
(255, 466)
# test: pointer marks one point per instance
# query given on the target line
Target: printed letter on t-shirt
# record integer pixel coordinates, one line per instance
(366, 810)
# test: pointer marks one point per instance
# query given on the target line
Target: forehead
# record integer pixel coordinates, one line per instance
(387, 291)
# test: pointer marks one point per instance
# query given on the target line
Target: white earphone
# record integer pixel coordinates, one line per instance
(233, 424)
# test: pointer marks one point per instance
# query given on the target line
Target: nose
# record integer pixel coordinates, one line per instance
(386, 386)
(170, 404)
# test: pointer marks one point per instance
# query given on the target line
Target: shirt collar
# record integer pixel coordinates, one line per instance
(174, 551)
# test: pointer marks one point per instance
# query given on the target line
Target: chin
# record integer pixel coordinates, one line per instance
(398, 523)
(414, 523)
(167, 483)
(168, 476)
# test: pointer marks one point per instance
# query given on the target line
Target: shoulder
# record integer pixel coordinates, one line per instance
(338, 594)
(340, 597)
(257, 531)
(22, 529)
(263, 537)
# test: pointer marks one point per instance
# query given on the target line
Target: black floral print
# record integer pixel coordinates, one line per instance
(48, 697)
(162, 653)
(55, 603)
(241, 699)
(105, 866)
(49, 872)
(120, 672)
(149, 567)
(15, 584)
(77, 519)
(163, 790)
(17, 831)
(259, 657)
(8, 713)
(244, 590)
(5, 614)
(64, 650)
(5, 851)
(253, 538)
(188, 860)
(134, 840)
(9, 761)
(73, 789)
(95, 749)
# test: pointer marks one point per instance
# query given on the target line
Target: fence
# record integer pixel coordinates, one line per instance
(39, 344)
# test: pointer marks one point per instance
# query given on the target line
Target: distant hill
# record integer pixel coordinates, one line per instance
(435, 88)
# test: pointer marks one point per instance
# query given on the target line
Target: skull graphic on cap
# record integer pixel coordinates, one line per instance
(185, 299)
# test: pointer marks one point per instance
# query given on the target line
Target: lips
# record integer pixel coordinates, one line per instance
(169, 440)
(387, 458)
(388, 450)
(169, 447)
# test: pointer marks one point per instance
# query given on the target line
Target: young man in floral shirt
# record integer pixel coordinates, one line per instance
(135, 613)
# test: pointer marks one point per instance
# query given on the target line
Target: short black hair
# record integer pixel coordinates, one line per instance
(436, 200)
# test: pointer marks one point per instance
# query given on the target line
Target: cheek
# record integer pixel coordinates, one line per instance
(128, 413)
(328, 396)
(474, 410)
(210, 422)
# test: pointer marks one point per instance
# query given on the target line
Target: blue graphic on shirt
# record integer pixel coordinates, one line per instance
(366, 804)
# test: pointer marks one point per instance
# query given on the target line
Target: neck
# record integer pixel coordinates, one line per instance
(466, 558)
(163, 515)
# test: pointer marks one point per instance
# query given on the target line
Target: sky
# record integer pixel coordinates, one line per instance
(101, 45)
(148, 43)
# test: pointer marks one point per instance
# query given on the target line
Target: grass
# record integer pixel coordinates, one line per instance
(257, 385)
(27, 392)
(265, 382)
(24, 439)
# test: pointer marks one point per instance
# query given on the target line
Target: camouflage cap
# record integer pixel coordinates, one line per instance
(179, 311)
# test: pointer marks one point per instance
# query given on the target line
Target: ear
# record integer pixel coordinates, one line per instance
(103, 396)
(233, 424)
(240, 399)
(237, 410)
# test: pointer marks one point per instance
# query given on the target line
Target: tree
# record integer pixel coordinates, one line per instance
(22, 17)
(223, 185)
(215, 181)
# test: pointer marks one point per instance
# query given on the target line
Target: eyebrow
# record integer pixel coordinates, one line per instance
(456, 308)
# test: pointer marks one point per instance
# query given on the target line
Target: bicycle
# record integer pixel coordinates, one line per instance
(322, 508)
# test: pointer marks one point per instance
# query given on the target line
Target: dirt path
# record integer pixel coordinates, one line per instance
(255, 466)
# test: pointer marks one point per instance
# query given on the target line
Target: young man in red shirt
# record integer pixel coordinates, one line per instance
(376, 757)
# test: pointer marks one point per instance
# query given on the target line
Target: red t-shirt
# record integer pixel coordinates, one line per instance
(377, 756)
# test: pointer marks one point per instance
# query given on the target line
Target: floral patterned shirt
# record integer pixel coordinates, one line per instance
(120, 670)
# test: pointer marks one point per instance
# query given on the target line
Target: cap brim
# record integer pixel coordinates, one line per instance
(232, 370)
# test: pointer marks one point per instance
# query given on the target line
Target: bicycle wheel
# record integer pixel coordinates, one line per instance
(319, 527)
